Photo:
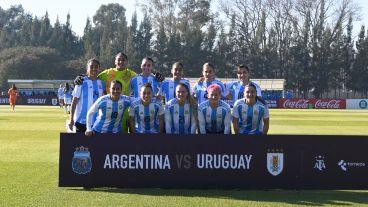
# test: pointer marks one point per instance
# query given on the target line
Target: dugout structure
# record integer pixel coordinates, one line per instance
(37, 86)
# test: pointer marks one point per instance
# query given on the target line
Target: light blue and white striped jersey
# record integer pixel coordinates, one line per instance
(168, 87)
(146, 117)
(214, 120)
(139, 80)
(236, 89)
(61, 93)
(110, 114)
(200, 90)
(68, 96)
(179, 119)
(88, 93)
(250, 117)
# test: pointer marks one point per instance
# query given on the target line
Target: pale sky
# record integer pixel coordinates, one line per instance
(81, 9)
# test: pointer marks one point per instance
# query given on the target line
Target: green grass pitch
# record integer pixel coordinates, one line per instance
(29, 153)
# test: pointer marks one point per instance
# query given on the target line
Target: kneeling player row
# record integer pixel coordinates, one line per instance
(181, 114)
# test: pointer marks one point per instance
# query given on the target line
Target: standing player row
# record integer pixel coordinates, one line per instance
(93, 86)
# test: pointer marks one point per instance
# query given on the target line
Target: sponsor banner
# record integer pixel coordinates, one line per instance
(213, 161)
(357, 104)
(32, 100)
(272, 103)
(312, 103)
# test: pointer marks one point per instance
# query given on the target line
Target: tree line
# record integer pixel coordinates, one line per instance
(308, 43)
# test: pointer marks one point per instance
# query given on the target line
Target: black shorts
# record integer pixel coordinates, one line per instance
(80, 128)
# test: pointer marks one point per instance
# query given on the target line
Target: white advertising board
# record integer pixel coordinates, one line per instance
(357, 104)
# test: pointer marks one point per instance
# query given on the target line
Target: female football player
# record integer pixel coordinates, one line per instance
(180, 112)
(168, 87)
(214, 115)
(249, 115)
(110, 110)
(146, 113)
(200, 91)
(85, 95)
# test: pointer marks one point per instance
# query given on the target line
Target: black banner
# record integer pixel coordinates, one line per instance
(214, 161)
(42, 100)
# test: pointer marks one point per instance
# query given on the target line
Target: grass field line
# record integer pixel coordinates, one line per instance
(29, 150)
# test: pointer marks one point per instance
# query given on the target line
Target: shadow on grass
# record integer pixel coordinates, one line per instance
(303, 197)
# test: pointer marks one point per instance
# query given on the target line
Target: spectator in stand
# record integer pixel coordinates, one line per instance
(249, 115)
(85, 95)
(13, 93)
(168, 87)
(214, 114)
(111, 109)
(181, 112)
(146, 113)
(199, 91)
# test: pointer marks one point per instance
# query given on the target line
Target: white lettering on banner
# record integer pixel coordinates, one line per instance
(218, 161)
(271, 103)
(344, 164)
(139, 162)
(330, 104)
(4, 100)
(36, 100)
(298, 104)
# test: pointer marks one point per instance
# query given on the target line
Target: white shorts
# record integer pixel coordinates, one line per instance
(67, 101)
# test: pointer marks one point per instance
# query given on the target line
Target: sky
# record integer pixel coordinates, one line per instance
(81, 9)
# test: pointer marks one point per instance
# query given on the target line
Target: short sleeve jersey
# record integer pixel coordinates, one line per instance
(146, 117)
(61, 93)
(138, 81)
(88, 93)
(200, 90)
(250, 117)
(168, 87)
(179, 119)
(214, 120)
(110, 114)
(125, 76)
(236, 89)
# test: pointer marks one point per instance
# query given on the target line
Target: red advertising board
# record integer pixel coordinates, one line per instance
(325, 103)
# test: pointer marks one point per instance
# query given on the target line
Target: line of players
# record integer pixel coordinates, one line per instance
(200, 109)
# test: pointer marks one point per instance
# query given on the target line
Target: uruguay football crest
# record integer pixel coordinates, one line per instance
(275, 163)
(81, 162)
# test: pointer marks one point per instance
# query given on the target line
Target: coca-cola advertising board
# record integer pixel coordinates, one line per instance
(325, 103)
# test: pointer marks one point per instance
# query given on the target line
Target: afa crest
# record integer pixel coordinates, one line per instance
(82, 162)
(275, 162)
